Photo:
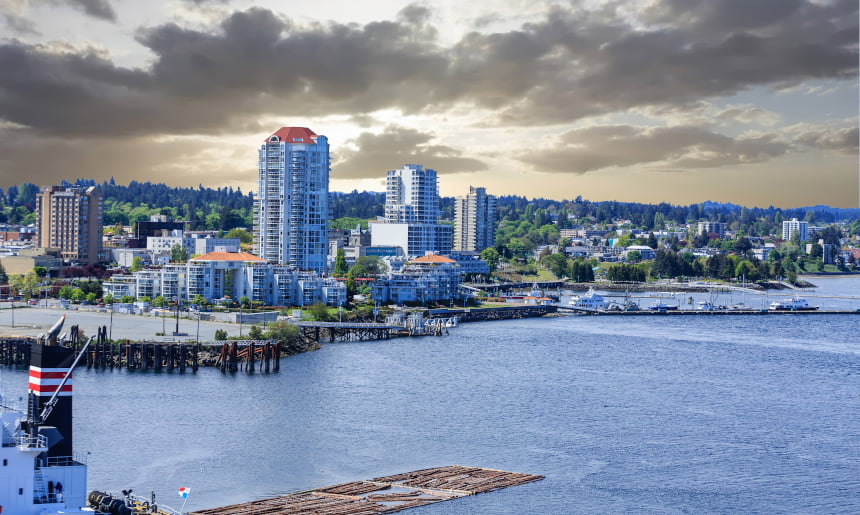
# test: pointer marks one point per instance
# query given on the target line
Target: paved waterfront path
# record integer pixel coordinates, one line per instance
(31, 321)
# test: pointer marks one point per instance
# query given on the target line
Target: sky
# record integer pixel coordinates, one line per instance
(753, 102)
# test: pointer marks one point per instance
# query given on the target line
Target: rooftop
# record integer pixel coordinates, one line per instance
(294, 135)
(228, 256)
(433, 258)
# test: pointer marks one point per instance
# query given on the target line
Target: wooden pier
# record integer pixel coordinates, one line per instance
(243, 354)
(387, 494)
(347, 331)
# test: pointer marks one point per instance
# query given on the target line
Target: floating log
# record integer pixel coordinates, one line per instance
(361, 497)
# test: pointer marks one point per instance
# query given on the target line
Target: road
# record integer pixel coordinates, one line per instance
(23, 320)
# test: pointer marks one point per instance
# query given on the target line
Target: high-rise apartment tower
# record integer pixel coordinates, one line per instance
(291, 208)
(70, 219)
(474, 221)
(412, 213)
(789, 227)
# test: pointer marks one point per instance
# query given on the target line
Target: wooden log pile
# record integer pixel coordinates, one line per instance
(427, 486)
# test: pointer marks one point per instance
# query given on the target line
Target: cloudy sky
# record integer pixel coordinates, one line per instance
(746, 101)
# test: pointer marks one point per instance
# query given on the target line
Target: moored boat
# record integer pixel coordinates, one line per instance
(792, 304)
(590, 301)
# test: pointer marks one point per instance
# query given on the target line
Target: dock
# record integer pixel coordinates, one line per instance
(387, 494)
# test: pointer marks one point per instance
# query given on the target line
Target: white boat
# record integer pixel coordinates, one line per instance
(792, 304)
(590, 301)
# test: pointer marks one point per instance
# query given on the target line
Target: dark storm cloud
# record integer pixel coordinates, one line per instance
(371, 155)
(180, 162)
(569, 65)
(586, 150)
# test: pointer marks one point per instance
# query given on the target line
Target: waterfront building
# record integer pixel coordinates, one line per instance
(217, 275)
(789, 227)
(70, 219)
(412, 213)
(194, 245)
(709, 228)
(474, 221)
(291, 208)
(430, 278)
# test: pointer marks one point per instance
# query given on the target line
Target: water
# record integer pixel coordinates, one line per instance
(646, 415)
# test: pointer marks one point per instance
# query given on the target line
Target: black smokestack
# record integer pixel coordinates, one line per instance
(48, 365)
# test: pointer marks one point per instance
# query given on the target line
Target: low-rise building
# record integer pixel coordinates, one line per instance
(430, 278)
(217, 275)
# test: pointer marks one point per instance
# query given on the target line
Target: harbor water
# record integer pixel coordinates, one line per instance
(738, 414)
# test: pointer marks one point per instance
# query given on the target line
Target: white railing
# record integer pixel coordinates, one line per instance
(31, 442)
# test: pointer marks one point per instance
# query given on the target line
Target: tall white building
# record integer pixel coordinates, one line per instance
(474, 221)
(291, 208)
(790, 226)
(412, 213)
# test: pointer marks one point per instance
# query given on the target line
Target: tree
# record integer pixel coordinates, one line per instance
(108, 299)
(555, 263)
(491, 256)
(816, 251)
(373, 265)
(742, 245)
(652, 241)
(136, 264)
(178, 253)
(220, 334)
(340, 266)
(255, 333)
(4, 279)
(127, 299)
(159, 301)
(320, 312)
(747, 271)
(40, 271)
(78, 295)
(91, 298)
(665, 264)
(198, 300)
(283, 333)
(243, 235)
(245, 301)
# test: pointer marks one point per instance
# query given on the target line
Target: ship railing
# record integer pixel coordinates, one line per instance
(27, 441)
(66, 461)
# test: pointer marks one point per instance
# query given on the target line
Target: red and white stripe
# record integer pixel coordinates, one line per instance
(44, 381)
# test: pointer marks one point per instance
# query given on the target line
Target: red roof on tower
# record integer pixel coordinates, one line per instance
(294, 135)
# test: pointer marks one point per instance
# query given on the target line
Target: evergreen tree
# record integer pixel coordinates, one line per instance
(340, 266)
